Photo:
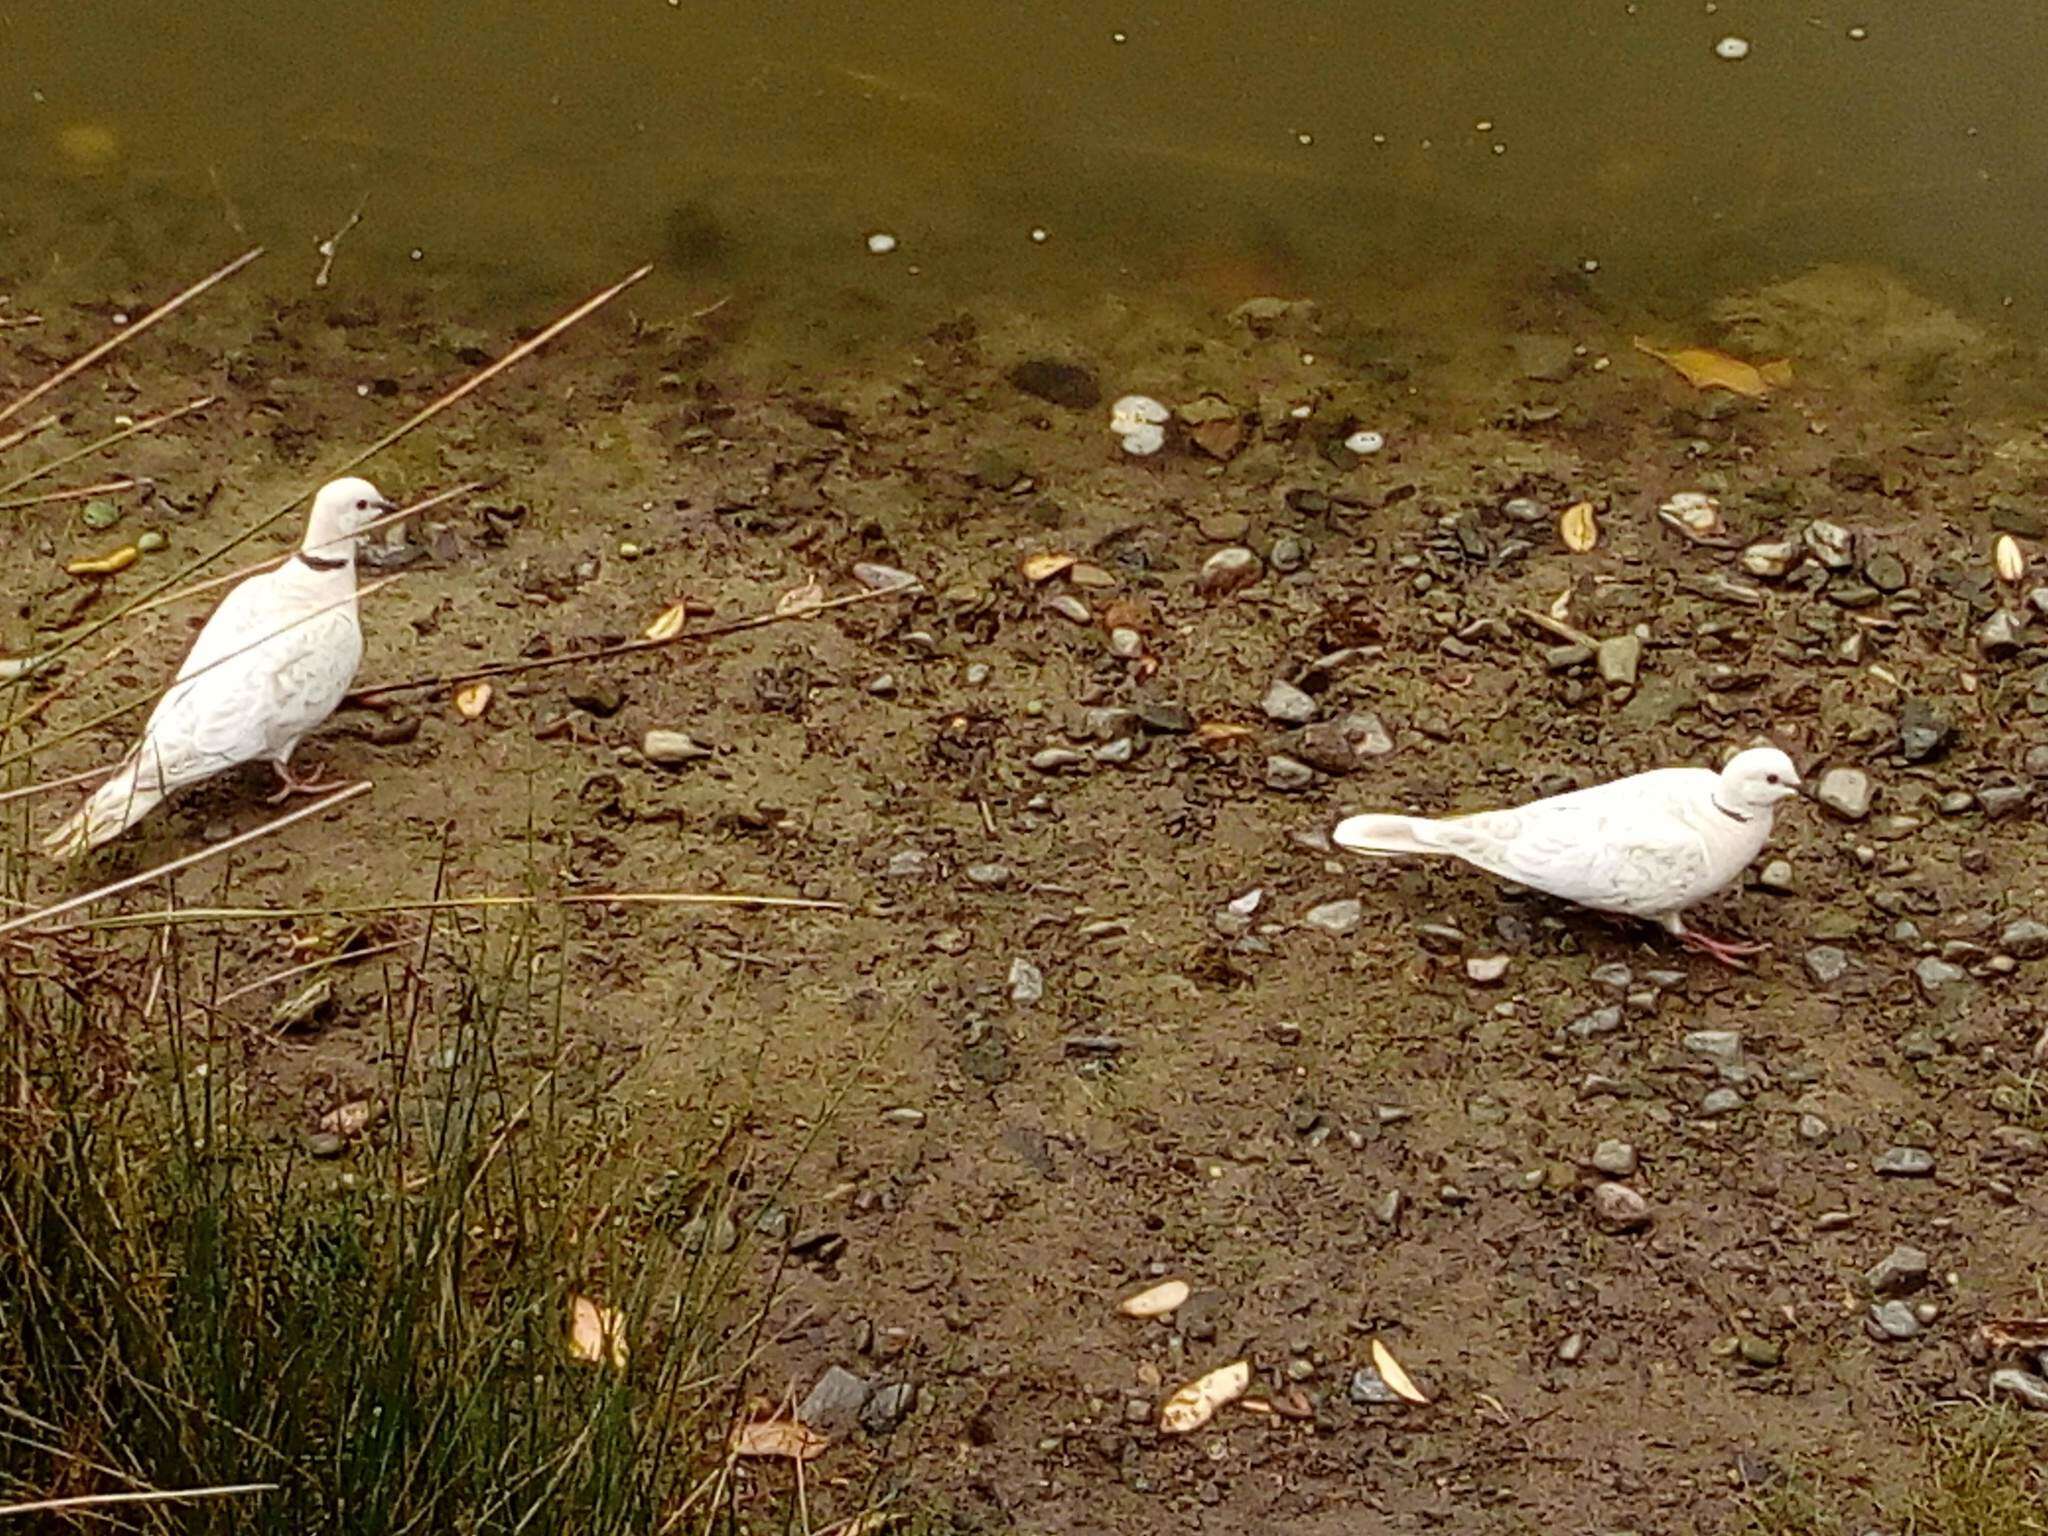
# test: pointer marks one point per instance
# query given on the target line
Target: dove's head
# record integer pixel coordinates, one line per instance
(341, 510)
(1757, 780)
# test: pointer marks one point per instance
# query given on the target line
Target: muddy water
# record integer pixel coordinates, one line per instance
(1432, 154)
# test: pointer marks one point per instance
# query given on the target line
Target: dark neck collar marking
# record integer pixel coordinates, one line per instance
(322, 562)
(1731, 815)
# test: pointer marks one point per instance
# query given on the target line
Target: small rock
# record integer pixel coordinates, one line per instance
(1759, 1353)
(1885, 571)
(602, 699)
(324, 1144)
(1027, 982)
(2021, 1386)
(2000, 800)
(885, 1409)
(670, 749)
(1618, 1208)
(908, 864)
(1923, 733)
(1904, 1163)
(1831, 545)
(1289, 553)
(1894, 1319)
(1336, 918)
(1287, 773)
(1571, 1349)
(905, 1115)
(1566, 657)
(1227, 571)
(1619, 659)
(1617, 1159)
(1486, 969)
(1057, 383)
(1770, 560)
(1601, 1021)
(1722, 1101)
(1344, 745)
(304, 1009)
(1056, 759)
(834, 1404)
(882, 685)
(1716, 1044)
(1846, 792)
(151, 541)
(1777, 876)
(1125, 643)
(1548, 359)
(1826, 964)
(1899, 1273)
(1287, 703)
(1369, 1389)
(1937, 977)
(881, 578)
(990, 876)
(1812, 1128)
(2024, 939)
(1070, 607)
(2000, 636)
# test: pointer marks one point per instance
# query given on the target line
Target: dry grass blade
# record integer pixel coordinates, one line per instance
(133, 429)
(293, 972)
(128, 333)
(21, 435)
(627, 648)
(143, 1496)
(737, 899)
(72, 904)
(76, 493)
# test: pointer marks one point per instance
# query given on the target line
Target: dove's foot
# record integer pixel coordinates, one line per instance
(291, 784)
(1729, 952)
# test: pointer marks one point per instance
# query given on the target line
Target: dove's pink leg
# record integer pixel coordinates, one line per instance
(293, 785)
(1729, 952)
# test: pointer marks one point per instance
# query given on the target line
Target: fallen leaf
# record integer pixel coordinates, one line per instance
(1294, 1404)
(107, 564)
(472, 701)
(596, 1333)
(1156, 1300)
(796, 600)
(1578, 528)
(350, 1119)
(2009, 558)
(1402, 1384)
(1220, 438)
(1196, 1403)
(670, 623)
(779, 1437)
(1044, 566)
(1211, 734)
(1705, 368)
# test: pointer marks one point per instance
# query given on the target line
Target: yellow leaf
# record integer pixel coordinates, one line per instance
(105, 565)
(1394, 1376)
(472, 701)
(670, 624)
(1211, 734)
(596, 1333)
(1196, 1403)
(798, 600)
(779, 1437)
(1155, 1301)
(1705, 368)
(1577, 527)
(1044, 566)
(2009, 558)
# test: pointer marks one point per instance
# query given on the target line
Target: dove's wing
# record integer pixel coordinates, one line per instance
(1620, 847)
(264, 670)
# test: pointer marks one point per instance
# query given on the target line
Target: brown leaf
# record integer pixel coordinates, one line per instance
(596, 1333)
(670, 623)
(1705, 368)
(472, 701)
(797, 600)
(779, 1437)
(1045, 565)
(1196, 1403)
(1578, 528)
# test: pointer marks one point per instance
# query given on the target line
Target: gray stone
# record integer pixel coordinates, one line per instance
(1563, 658)
(1370, 1390)
(1715, 1044)
(1337, 918)
(1227, 571)
(1814, 1129)
(1846, 792)
(1601, 1021)
(1027, 982)
(2024, 939)
(1826, 964)
(1895, 1319)
(1722, 1101)
(1899, 1273)
(1770, 560)
(1287, 773)
(2001, 635)
(881, 578)
(1618, 1208)
(886, 1408)
(1619, 659)
(1904, 1163)
(908, 864)
(1344, 745)
(991, 876)
(1056, 759)
(1885, 571)
(1616, 1159)
(324, 1144)
(1937, 978)
(670, 748)
(1924, 733)
(1288, 704)
(2021, 1386)
(1486, 969)
(2003, 799)
(1613, 977)
(1777, 876)
(834, 1404)
(1831, 545)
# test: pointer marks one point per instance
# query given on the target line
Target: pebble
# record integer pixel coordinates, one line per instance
(1056, 759)
(2024, 939)
(908, 864)
(1999, 800)
(1287, 773)
(1287, 703)
(1486, 969)
(991, 875)
(1068, 606)
(2023, 1386)
(1571, 1349)
(1777, 876)
(1717, 1044)
(1937, 978)
(1904, 1163)
(1369, 1389)
(1125, 643)
(1027, 982)
(882, 685)
(1620, 659)
(2001, 635)
(151, 541)
(885, 1409)
(1846, 792)
(1732, 49)
(1761, 1353)
(834, 1404)
(1722, 1101)
(1617, 1159)
(1336, 918)
(1618, 1208)
(324, 1144)
(669, 748)
(1601, 1021)
(1830, 544)
(1227, 571)
(1899, 1273)
(1346, 744)
(905, 1115)
(1894, 1319)
(1814, 1129)
(1885, 571)
(1563, 658)
(1924, 733)
(601, 699)
(1826, 964)
(1770, 560)
(881, 578)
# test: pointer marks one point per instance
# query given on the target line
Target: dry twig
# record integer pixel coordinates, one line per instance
(133, 429)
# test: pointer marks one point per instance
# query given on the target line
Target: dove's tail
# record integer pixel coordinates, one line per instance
(1390, 836)
(114, 807)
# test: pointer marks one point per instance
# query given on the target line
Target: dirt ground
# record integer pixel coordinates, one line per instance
(1074, 1032)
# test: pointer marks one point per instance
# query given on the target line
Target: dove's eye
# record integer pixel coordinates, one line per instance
(364, 506)
(1770, 778)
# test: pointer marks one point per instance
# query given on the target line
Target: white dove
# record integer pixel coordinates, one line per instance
(1649, 845)
(270, 665)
